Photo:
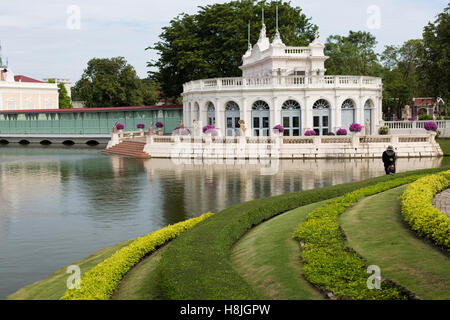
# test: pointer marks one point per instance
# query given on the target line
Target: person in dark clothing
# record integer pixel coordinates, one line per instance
(389, 160)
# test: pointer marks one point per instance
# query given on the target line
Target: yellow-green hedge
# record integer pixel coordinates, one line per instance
(101, 281)
(419, 213)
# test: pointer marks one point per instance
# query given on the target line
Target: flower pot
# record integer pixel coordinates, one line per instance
(160, 132)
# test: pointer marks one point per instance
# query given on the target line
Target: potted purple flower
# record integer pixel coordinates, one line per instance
(355, 128)
(159, 125)
(208, 128)
(310, 133)
(120, 126)
(341, 132)
(412, 119)
(430, 126)
(278, 129)
(140, 126)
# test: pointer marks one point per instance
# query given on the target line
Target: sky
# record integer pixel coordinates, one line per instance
(56, 38)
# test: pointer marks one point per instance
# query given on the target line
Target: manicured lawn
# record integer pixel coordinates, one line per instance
(55, 285)
(267, 257)
(445, 145)
(375, 229)
(197, 264)
(141, 282)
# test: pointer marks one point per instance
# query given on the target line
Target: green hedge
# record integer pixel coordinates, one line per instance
(328, 263)
(100, 282)
(197, 265)
(419, 213)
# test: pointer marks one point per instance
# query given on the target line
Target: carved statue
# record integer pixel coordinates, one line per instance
(196, 133)
(367, 127)
(242, 128)
(180, 124)
(150, 130)
(406, 113)
(114, 130)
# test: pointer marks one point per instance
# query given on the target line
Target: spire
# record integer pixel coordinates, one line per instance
(249, 42)
(277, 39)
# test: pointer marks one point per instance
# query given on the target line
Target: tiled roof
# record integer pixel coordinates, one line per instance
(25, 79)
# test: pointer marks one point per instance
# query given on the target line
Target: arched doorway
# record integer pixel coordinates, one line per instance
(348, 114)
(232, 117)
(260, 118)
(321, 117)
(368, 114)
(291, 117)
(211, 114)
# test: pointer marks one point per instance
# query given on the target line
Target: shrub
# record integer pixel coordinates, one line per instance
(341, 132)
(159, 125)
(425, 117)
(100, 282)
(140, 126)
(205, 249)
(328, 263)
(355, 127)
(310, 133)
(419, 213)
(383, 130)
(430, 126)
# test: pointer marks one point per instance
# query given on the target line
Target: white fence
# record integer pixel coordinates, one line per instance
(416, 127)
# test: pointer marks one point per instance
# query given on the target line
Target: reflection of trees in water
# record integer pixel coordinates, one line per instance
(111, 185)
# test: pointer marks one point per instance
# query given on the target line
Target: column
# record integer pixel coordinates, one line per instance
(246, 115)
(220, 116)
(1, 101)
(276, 112)
(333, 111)
(203, 114)
(308, 114)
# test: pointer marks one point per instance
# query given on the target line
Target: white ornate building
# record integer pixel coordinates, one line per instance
(287, 86)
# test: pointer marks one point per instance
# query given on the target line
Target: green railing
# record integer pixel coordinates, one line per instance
(86, 122)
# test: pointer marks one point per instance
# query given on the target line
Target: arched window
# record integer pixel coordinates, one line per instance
(291, 118)
(321, 104)
(348, 114)
(321, 117)
(368, 104)
(260, 105)
(260, 118)
(211, 114)
(232, 118)
(291, 105)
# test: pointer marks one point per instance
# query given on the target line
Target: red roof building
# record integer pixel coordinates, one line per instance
(21, 78)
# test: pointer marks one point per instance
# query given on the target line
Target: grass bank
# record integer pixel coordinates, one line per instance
(445, 145)
(375, 229)
(267, 257)
(197, 265)
(55, 285)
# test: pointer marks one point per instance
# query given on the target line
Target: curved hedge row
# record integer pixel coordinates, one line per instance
(328, 263)
(101, 281)
(197, 265)
(419, 213)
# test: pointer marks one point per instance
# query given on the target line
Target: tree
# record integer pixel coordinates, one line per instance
(64, 100)
(400, 75)
(434, 63)
(352, 55)
(109, 83)
(211, 43)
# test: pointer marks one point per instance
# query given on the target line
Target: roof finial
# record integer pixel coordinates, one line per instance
(277, 18)
(277, 39)
(249, 42)
(263, 13)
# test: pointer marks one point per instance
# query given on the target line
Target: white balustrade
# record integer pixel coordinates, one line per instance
(286, 81)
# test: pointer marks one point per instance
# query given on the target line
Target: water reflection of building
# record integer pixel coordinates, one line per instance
(215, 186)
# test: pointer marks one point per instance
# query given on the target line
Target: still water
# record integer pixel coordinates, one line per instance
(60, 205)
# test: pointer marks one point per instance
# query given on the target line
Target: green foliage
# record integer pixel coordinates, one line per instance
(197, 265)
(383, 130)
(100, 282)
(426, 117)
(211, 42)
(434, 63)
(113, 83)
(352, 55)
(419, 213)
(64, 99)
(329, 264)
